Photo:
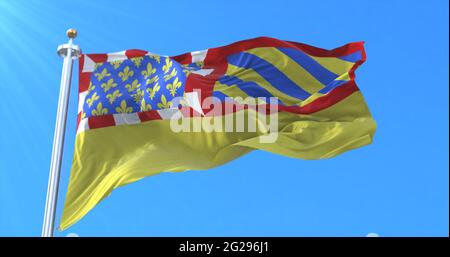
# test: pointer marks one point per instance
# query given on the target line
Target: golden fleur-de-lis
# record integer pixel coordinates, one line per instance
(145, 106)
(186, 72)
(199, 64)
(116, 64)
(172, 87)
(100, 76)
(123, 108)
(126, 73)
(157, 58)
(108, 85)
(131, 87)
(152, 91)
(98, 64)
(99, 110)
(152, 80)
(90, 101)
(164, 104)
(91, 87)
(149, 71)
(172, 74)
(83, 115)
(184, 101)
(137, 61)
(112, 97)
(138, 96)
(166, 67)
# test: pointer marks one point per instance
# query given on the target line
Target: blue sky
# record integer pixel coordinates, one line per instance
(398, 186)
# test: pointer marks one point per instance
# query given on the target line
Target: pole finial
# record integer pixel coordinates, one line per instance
(71, 33)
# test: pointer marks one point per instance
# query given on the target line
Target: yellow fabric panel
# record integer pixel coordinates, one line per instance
(253, 76)
(107, 158)
(289, 67)
(335, 65)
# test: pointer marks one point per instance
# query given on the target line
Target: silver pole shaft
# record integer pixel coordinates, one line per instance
(58, 143)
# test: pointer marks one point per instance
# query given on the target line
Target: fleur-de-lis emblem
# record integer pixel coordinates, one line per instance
(100, 76)
(99, 110)
(145, 106)
(91, 87)
(164, 104)
(131, 87)
(152, 79)
(112, 97)
(157, 58)
(186, 72)
(83, 115)
(152, 91)
(98, 64)
(116, 64)
(172, 74)
(126, 73)
(199, 64)
(108, 85)
(166, 67)
(123, 108)
(149, 71)
(172, 87)
(90, 101)
(138, 96)
(137, 61)
(184, 101)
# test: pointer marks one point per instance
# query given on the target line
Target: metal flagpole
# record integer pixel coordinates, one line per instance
(69, 52)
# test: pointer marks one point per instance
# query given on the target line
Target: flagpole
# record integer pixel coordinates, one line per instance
(69, 52)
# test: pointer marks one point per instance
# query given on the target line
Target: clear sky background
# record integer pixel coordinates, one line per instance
(398, 186)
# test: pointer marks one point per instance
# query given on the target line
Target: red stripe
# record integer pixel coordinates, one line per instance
(218, 54)
(80, 63)
(98, 58)
(222, 52)
(83, 81)
(337, 52)
(325, 101)
(101, 121)
(183, 58)
(149, 115)
(205, 84)
(319, 104)
(135, 53)
(189, 112)
(78, 119)
(333, 97)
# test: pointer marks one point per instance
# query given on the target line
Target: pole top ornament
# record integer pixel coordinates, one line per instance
(71, 33)
(64, 49)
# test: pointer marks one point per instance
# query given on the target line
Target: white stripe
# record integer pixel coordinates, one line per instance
(118, 56)
(203, 72)
(83, 126)
(126, 118)
(153, 54)
(194, 101)
(167, 114)
(199, 56)
(81, 99)
(89, 64)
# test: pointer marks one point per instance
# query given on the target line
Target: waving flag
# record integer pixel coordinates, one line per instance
(128, 102)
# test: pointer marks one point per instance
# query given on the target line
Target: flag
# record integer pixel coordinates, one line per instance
(140, 113)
